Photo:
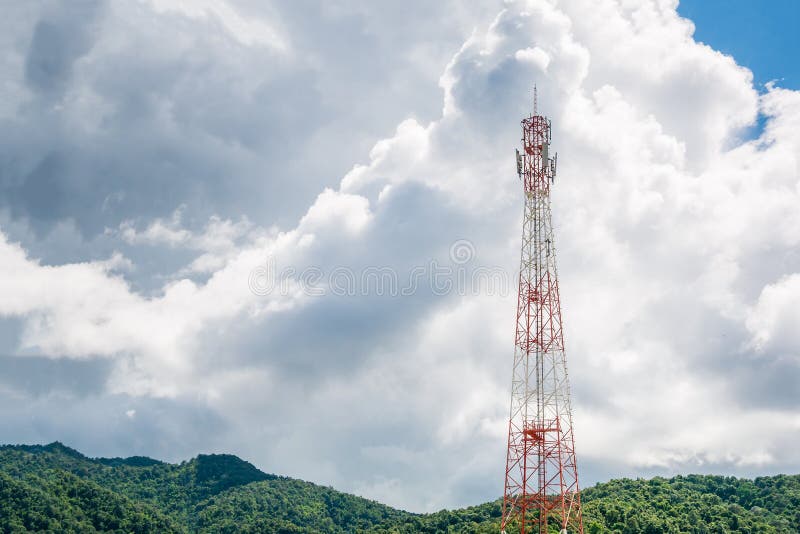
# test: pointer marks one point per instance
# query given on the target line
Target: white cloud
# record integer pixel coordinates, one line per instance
(82, 311)
(157, 232)
(335, 210)
(775, 319)
(219, 241)
(536, 55)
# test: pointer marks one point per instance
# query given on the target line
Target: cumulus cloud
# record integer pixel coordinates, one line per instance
(677, 246)
(219, 241)
(773, 320)
(83, 311)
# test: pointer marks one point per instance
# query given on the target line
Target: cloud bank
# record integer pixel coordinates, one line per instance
(190, 145)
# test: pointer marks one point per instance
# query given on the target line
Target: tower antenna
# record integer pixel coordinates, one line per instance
(541, 486)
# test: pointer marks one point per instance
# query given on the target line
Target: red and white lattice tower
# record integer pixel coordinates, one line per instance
(541, 486)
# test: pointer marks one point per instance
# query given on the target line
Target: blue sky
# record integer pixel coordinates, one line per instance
(158, 158)
(762, 36)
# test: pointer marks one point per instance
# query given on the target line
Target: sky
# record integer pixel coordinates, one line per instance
(289, 231)
(760, 36)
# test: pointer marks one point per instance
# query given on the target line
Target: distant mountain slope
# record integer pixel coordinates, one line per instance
(175, 489)
(56, 501)
(55, 488)
(295, 506)
(210, 493)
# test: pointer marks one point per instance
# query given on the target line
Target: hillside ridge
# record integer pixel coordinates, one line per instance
(55, 487)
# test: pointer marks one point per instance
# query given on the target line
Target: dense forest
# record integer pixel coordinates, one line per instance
(53, 488)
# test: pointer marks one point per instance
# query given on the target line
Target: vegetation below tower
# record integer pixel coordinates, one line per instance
(53, 488)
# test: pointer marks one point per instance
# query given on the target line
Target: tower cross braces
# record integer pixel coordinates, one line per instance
(541, 478)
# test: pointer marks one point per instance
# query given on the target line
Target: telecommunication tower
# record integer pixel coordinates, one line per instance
(541, 485)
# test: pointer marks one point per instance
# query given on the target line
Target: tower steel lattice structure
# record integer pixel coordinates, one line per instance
(541, 487)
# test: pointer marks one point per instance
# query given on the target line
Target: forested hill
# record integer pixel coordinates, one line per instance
(53, 488)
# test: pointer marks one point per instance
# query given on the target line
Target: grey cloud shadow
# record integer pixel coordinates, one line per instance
(37, 376)
(61, 37)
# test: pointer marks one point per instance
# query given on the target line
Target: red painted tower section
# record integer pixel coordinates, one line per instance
(541, 488)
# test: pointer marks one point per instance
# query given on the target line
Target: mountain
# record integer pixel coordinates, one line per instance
(53, 488)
